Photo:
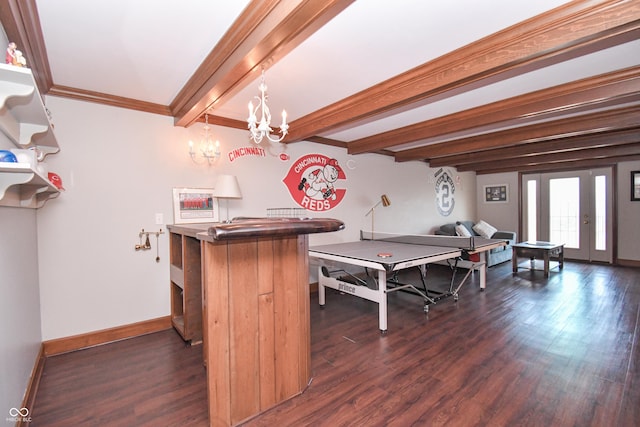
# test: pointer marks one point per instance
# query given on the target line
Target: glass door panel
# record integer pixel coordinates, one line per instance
(574, 208)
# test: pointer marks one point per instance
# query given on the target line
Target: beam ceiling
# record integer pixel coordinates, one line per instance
(591, 121)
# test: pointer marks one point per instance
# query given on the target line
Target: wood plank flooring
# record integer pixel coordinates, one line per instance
(526, 352)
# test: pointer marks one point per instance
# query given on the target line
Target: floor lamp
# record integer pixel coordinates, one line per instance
(384, 201)
(227, 188)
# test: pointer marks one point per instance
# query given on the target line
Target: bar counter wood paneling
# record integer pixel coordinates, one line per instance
(256, 314)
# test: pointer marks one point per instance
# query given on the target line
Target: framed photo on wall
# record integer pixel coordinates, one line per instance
(496, 193)
(192, 205)
(635, 186)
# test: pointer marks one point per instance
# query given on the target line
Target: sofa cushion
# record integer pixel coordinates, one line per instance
(463, 231)
(447, 230)
(484, 229)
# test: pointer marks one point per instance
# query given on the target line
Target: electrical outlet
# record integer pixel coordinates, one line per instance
(159, 219)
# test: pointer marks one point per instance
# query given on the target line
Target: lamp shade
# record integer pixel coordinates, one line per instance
(227, 187)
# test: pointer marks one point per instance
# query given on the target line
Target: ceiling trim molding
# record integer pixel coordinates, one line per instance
(559, 99)
(568, 31)
(106, 99)
(263, 34)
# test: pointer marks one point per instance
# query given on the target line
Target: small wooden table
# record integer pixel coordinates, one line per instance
(538, 250)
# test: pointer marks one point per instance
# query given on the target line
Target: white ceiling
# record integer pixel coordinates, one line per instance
(148, 49)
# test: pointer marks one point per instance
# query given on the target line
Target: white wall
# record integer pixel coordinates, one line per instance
(628, 214)
(119, 167)
(20, 335)
(503, 216)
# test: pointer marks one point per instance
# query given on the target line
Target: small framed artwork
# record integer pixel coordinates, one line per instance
(635, 186)
(192, 205)
(496, 193)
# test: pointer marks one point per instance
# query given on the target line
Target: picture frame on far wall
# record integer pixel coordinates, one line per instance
(496, 193)
(193, 205)
(635, 186)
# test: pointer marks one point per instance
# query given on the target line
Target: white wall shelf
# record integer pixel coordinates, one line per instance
(23, 116)
(25, 121)
(23, 187)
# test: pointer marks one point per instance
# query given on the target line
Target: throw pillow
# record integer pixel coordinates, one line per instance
(461, 230)
(484, 229)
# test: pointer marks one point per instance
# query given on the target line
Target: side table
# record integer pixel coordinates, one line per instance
(538, 250)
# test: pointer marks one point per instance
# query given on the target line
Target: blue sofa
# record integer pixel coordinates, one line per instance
(494, 256)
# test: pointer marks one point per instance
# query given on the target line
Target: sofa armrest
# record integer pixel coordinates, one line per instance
(507, 235)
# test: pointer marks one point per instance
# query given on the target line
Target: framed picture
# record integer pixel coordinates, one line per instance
(191, 205)
(496, 193)
(635, 186)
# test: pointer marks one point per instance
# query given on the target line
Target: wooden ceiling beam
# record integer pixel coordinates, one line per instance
(614, 86)
(264, 32)
(570, 165)
(592, 123)
(568, 31)
(604, 139)
(551, 158)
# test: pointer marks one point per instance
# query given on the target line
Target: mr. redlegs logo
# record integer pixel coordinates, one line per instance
(314, 182)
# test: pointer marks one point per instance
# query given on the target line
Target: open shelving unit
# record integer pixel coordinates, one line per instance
(186, 282)
(25, 121)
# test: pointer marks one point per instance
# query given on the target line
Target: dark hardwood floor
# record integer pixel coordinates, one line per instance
(526, 352)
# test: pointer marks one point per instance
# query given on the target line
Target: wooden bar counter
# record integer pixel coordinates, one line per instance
(256, 327)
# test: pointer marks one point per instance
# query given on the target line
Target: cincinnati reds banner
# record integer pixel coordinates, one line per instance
(316, 182)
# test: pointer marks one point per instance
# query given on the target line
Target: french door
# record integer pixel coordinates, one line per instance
(574, 208)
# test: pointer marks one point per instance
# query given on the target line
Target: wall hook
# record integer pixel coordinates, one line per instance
(147, 242)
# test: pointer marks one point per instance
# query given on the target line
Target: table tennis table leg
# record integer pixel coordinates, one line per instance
(483, 271)
(382, 301)
(321, 293)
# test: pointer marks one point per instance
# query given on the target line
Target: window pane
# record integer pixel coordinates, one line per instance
(564, 211)
(532, 211)
(601, 213)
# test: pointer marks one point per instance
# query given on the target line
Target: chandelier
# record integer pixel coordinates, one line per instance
(208, 149)
(262, 129)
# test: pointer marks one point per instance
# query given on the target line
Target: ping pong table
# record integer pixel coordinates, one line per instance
(390, 253)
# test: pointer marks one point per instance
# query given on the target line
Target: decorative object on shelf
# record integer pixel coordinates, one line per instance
(11, 53)
(227, 188)
(14, 56)
(208, 149)
(20, 60)
(56, 180)
(384, 201)
(260, 130)
(7, 156)
(193, 205)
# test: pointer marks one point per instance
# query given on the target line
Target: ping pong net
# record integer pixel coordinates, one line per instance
(459, 242)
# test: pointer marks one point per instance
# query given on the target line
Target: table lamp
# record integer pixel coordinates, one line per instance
(227, 188)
